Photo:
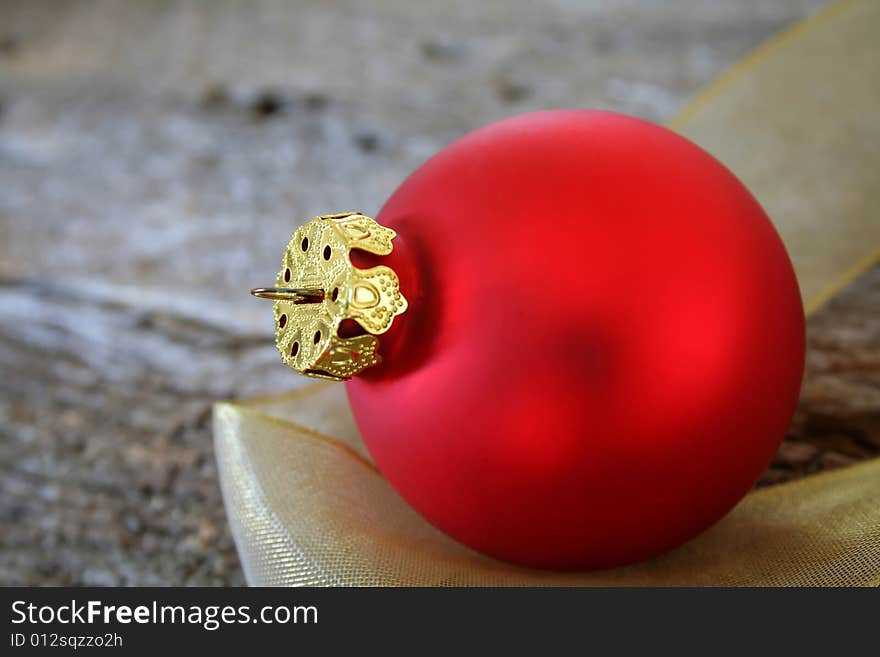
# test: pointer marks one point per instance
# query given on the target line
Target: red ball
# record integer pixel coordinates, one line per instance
(603, 348)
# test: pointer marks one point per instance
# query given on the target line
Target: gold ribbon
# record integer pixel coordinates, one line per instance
(797, 122)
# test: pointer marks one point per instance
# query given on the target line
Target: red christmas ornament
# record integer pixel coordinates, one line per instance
(603, 346)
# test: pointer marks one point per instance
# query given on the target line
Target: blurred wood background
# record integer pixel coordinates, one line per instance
(154, 159)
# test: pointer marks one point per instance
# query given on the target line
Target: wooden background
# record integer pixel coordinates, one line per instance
(154, 159)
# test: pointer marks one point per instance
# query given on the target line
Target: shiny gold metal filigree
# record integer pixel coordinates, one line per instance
(318, 288)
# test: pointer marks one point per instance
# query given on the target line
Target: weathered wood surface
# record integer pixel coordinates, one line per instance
(155, 156)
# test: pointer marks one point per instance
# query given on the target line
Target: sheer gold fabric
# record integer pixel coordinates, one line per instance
(310, 509)
(797, 121)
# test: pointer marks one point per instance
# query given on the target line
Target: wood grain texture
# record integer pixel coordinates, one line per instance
(156, 156)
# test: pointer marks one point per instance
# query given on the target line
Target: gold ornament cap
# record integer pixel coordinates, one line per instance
(318, 288)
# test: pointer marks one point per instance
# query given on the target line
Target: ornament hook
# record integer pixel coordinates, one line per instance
(295, 295)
